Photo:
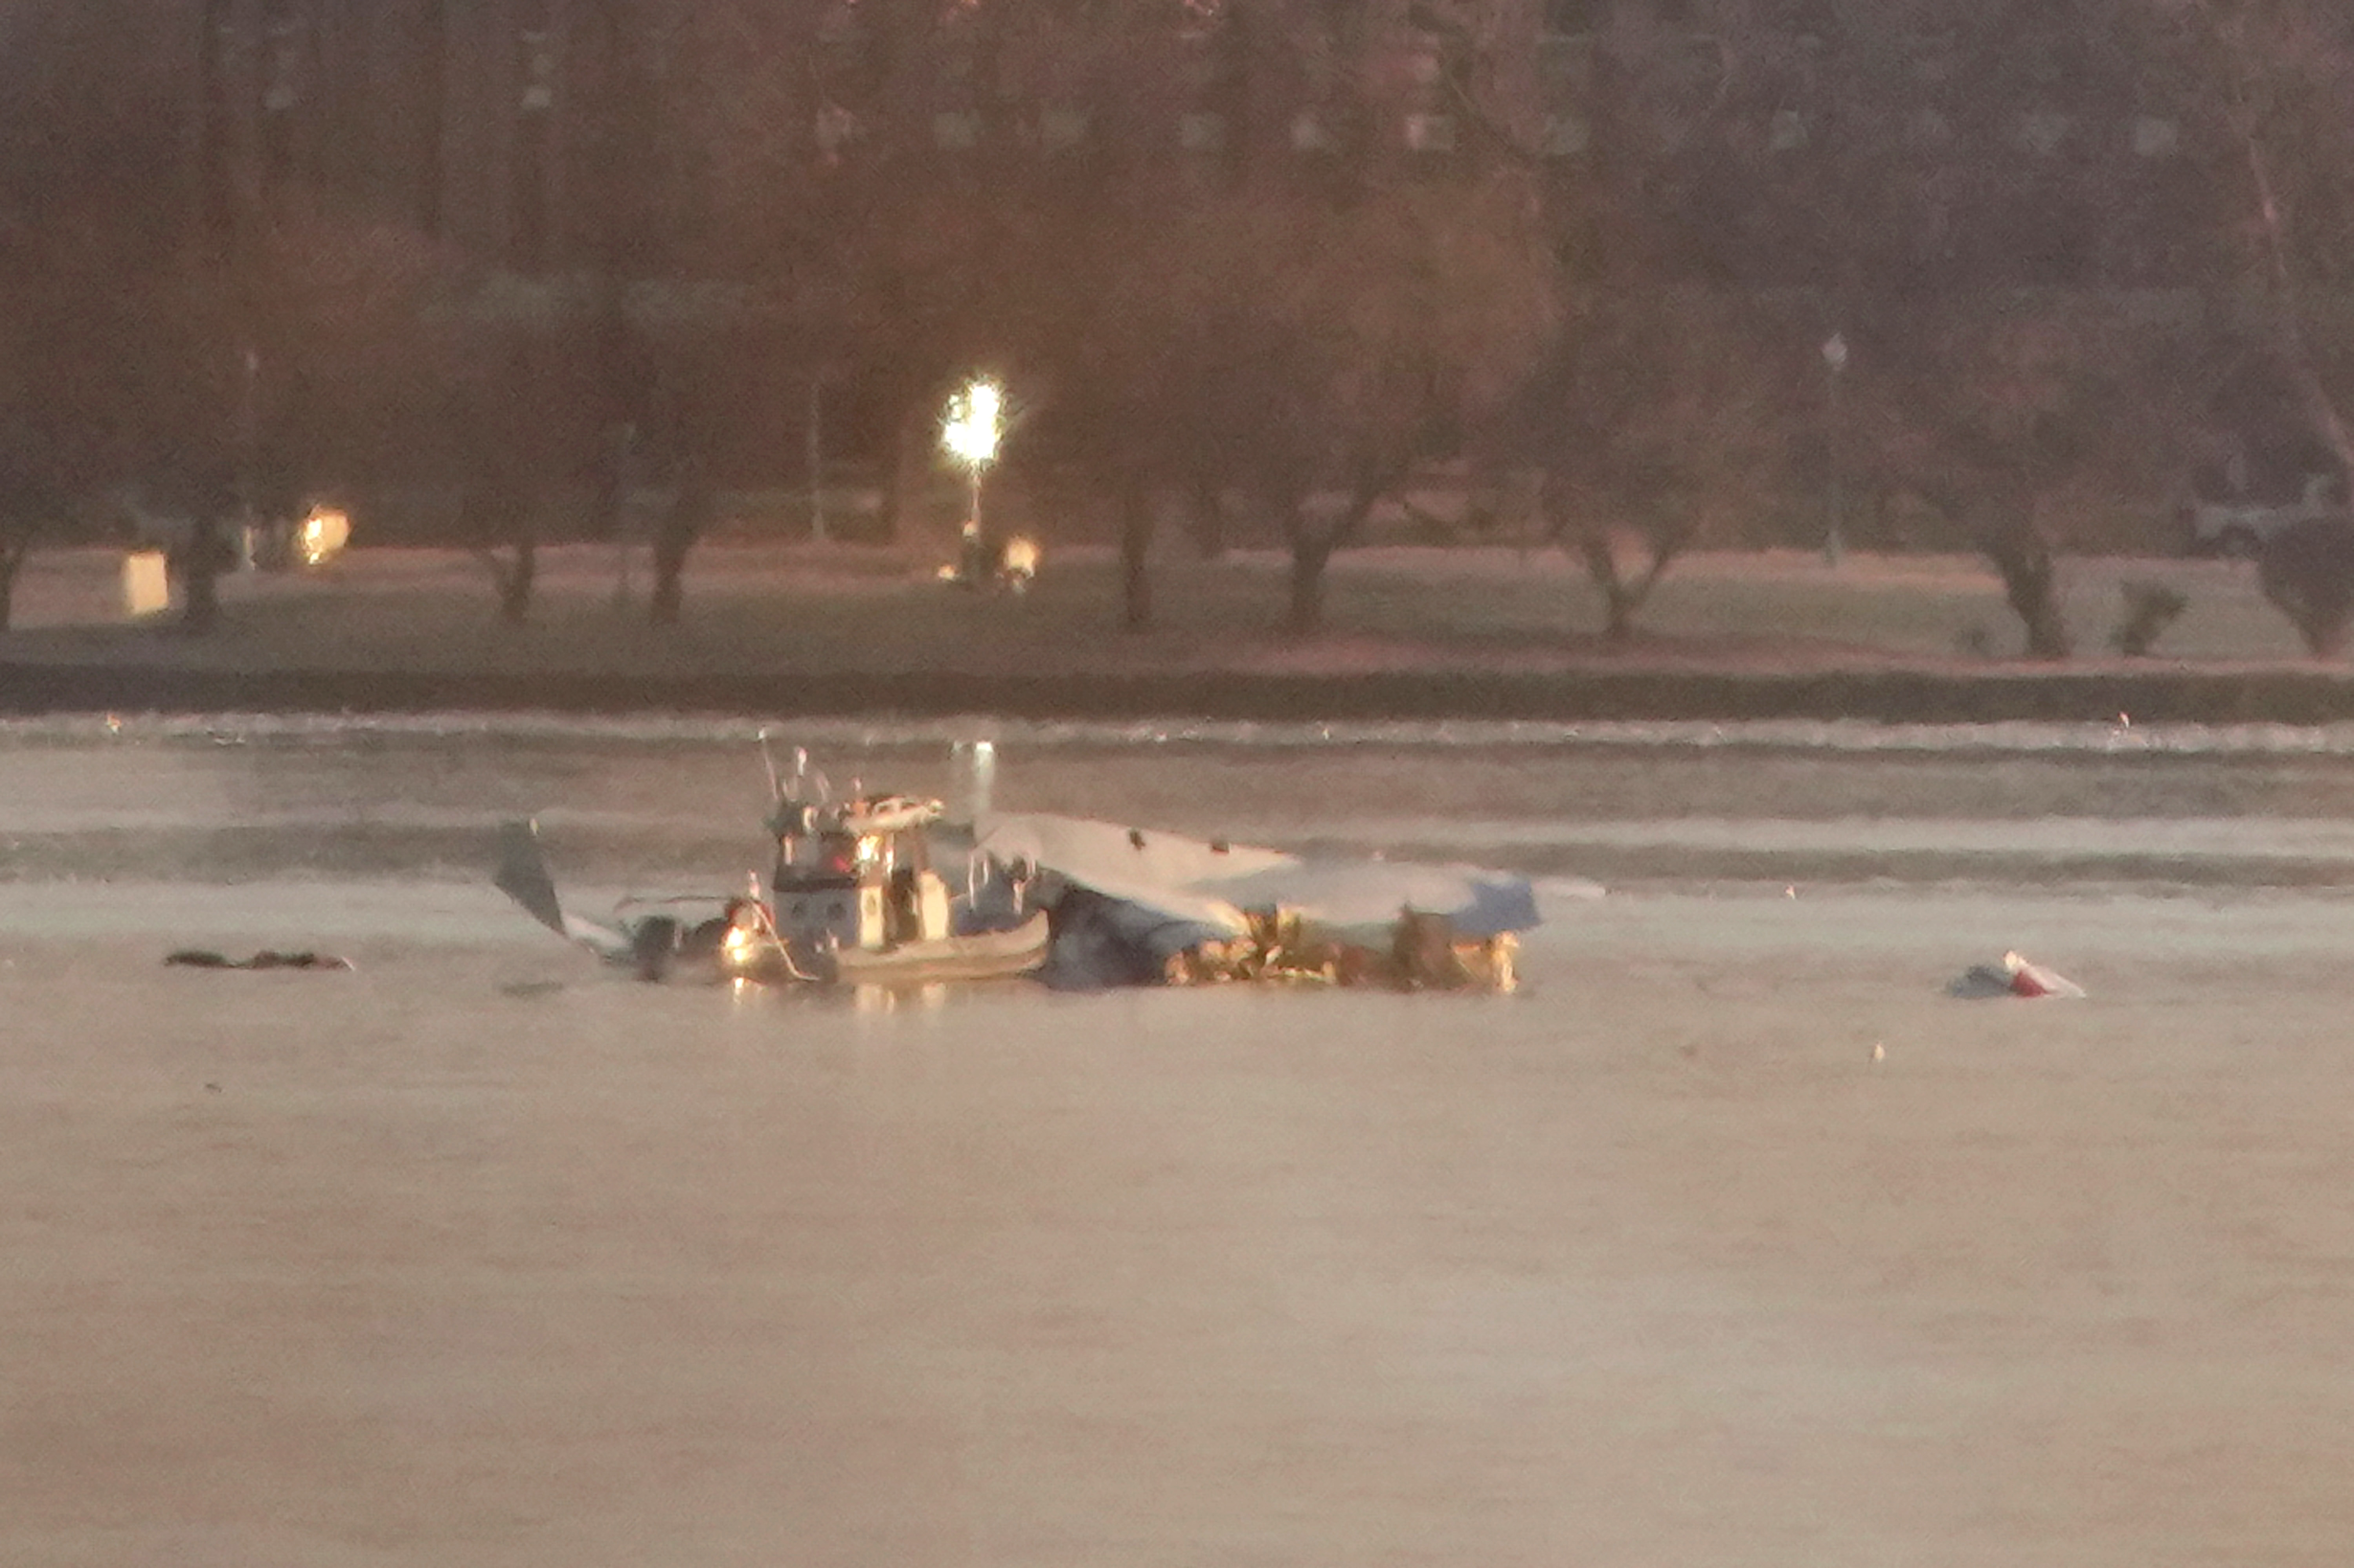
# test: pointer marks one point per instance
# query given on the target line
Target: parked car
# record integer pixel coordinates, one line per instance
(2237, 525)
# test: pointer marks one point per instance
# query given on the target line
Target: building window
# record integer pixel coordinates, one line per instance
(527, 194)
(432, 90)
(537, 91)
(956, 131)
(1060, 129)
(2041, 132)
(1809, 21)
(1575, 19)
(2156, 137)
(1201, 132)
(281, 86)
(835, 128)
(1930, 130)
(1430, 133)
(1934, 56)
(1565, 136)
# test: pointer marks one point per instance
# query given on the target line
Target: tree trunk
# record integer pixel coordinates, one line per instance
(669, 594)
(692, 510)
(1623, 597)
(12, 557)
(1135, 551)
(1618, 607)
(1313, 546)
(904, 491)
(1208, 519)
(201, 611)
(2031, 586)
(1999, 513)
(1620, 600)
(515, 580)
(1310, 553)
(2306, 573)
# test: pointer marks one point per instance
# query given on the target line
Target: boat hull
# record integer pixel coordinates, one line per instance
(984, 954)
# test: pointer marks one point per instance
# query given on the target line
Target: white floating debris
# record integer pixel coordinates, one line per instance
(2015, 976)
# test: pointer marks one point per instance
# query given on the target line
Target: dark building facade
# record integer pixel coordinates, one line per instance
(451, 117)
(504, 127)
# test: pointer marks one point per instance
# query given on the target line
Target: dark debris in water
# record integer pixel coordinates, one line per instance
(267, 959)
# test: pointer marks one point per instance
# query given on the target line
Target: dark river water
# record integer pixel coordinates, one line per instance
(1731, 1239)
(233, 799)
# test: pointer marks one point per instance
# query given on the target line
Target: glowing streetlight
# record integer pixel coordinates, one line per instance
(970, 434)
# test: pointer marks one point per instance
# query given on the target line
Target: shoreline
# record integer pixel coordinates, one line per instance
(2173, 695)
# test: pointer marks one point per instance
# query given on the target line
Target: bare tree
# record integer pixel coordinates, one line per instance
(2270, 81)
(1657, 414)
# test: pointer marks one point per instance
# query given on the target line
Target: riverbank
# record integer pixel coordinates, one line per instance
(1488, 635)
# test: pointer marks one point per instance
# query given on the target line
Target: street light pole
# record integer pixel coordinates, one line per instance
(971, 433)
(816, 460)
(1834, 364)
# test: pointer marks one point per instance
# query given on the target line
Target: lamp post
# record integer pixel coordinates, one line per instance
(1834, 364)
(815, 456)
(970, 434)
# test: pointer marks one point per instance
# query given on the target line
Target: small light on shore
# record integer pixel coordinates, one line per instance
(322, 536)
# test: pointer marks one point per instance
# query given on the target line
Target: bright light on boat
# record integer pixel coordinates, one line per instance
(741, 946)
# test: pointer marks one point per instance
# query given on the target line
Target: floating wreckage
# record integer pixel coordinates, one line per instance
(267, 959)
(1134, 906)
(857, 896)
(2015, 976)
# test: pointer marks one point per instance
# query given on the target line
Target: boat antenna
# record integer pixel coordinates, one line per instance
(768, 761)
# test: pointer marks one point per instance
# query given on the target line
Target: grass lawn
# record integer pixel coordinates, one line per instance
(790, 610)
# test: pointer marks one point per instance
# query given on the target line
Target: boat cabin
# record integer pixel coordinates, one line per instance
(858, 874)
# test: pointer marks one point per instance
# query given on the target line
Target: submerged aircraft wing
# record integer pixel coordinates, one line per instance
(522, 875)
(1154, 871)
(1370, 892)
(1212, 882)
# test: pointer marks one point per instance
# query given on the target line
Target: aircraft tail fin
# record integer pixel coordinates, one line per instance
(522, 877)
